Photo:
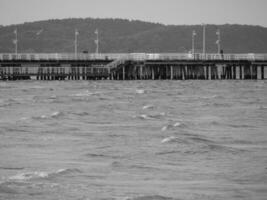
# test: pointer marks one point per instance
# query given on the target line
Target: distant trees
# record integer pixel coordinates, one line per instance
(118, 35)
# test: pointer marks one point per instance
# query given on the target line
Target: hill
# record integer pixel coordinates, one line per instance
(118, 35)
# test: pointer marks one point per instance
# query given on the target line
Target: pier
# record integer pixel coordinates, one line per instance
(133, 66)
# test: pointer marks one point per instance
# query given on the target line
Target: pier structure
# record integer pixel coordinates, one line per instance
(133, 66)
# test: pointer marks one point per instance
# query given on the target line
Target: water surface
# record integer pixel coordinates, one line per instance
(135, 140)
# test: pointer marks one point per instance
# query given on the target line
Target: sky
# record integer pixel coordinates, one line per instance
(176, 12)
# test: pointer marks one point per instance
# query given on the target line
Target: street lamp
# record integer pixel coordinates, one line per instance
(38, 34)
(218, 42)
(204, 39)
(193, 41)
(76, 42)
(97, 42)
(15, 41)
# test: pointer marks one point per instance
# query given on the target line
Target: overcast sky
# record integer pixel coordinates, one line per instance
(163, 11)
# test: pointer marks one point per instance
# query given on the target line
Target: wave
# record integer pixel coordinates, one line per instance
(150, 116)
(197, 144)
(140, 91)
(5, 189)
(42, 174)
(12, 168)
(226, 149)
(94, 155)
(28, 176)
(164, 128)
(148, 107)
(152, 197)
(41, 117)
(169, 139)
(177, 124)
(157, 115)
(263, 107)
(52, 97)
(171, 126)
(86, 94)
(55, 114)
(81, 113)
(241, 126)
(67, 171)
(142, 116)
(9, 102)
(168, 152)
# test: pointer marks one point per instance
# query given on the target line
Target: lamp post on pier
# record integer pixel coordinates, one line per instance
(15, 41)
(204, 40)
(218, 42)
(97, 42)
(76, 42)
(193, 41)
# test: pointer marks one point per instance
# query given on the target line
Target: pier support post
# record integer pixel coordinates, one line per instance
(256, 72)
(262, 72)
(171, 72)
(141, 72)
(123, 73)
(209, 72)
(205, 72)
(250, 72)
(185, 72)
(240, 72)
(234, 69)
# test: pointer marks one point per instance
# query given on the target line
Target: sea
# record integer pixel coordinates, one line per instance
(133, 140)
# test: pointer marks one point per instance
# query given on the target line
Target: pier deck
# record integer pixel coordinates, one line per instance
(134, 66)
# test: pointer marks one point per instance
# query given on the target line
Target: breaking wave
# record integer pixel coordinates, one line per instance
(172, 126)
(55, 114)
(151, 116)
(42, 174)
(197, 144)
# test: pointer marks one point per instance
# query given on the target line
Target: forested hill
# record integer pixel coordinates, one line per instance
(117, 35)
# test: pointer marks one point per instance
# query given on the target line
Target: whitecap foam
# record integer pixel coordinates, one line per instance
(23, 118)
(157, 115)
(61, 171)
(87, 93)
(147, 107)
(168, 139)
(56, 114)
(53, 97)
(81, 95)
(42, 174)
(28, 176)
(140, 91)
(41, 117)
(67, 171)
(143, 116)
(177, 124)
(164, 128)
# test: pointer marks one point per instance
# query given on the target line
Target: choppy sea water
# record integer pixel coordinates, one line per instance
(133, 140)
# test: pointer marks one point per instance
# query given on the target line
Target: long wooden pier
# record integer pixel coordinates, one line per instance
(134, 66)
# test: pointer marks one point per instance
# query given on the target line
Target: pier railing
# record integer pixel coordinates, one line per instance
(132, 56)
